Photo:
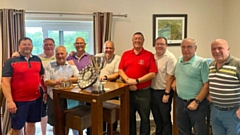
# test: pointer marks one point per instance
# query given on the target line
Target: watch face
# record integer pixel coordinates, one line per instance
(87, 76)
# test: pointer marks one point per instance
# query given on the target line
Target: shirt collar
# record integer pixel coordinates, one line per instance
(190, 61)
(21, 56)
(56, 65)
(141, 52)
(45, 56)
(157, 57)
(75, 55)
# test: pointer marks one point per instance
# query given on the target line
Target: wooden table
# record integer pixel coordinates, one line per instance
(113, 89)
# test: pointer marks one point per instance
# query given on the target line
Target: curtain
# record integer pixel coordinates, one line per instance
(12, 28)
(102, 30)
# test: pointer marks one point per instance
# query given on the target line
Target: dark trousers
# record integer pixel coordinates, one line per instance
(186, 119)
(140, 102)
(161, 112)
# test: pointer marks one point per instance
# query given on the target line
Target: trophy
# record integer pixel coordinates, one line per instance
(98, 63)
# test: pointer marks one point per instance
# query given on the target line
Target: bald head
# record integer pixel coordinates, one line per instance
(220, 50)
(80, 45)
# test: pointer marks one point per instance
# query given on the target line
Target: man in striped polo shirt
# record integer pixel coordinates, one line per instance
(224, 90)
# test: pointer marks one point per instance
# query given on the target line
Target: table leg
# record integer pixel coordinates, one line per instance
(124, 113)
(97, 117)
(59, 105)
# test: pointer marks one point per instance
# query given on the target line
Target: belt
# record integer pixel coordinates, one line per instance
(144, 88)
(187, 100)
(226, 108)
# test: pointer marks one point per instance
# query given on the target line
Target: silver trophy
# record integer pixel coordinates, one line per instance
(98, 63)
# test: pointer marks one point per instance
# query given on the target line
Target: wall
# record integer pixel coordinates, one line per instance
(231, 25)
(205, 17)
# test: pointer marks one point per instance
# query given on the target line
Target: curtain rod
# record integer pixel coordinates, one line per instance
(56, 13)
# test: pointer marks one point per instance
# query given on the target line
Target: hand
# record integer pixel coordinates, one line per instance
(71, 62)
(45, 96)
(209, 98)
(102, 78)
(133, 87)
(131, 81)
(11, 106)
(15, 54)
(165, 98)
(238, 113)
(192, 106)
(59, 81)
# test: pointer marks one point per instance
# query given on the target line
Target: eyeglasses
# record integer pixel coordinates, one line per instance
(188, 47)
(79, 43)
(160, 44)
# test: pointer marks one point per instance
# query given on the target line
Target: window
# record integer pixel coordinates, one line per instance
(64, 32)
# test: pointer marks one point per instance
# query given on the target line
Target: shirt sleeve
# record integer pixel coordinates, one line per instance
(117, 64)
(121, 63)
(75, 70)
(204, 71)
(171, 63)
(153, 65)
(7, 69)
(42, 69)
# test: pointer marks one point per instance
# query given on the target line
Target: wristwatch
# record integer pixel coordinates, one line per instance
(197, 101)
(165, 93)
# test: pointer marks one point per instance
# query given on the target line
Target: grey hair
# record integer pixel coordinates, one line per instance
(191, 39)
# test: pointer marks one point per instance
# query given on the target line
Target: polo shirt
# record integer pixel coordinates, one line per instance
(224, 83)
(52, 73)
(82, 62)
(190, 76)
(111, 66)
(136, 66)
(166, 65)
(25, 77)
(45, 59)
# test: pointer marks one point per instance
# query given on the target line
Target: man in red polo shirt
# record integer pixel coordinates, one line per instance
(137, 67)
(20, 82)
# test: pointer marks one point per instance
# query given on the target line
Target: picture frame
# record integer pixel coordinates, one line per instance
(171, 26)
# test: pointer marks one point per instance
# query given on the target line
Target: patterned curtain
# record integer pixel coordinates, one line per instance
(12, 28)
(102, 30)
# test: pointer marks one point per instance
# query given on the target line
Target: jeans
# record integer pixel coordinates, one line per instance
(186, 119)
(140, 102)
(224, 122)
(161, 112)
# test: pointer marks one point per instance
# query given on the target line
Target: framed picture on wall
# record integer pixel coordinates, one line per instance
(171, 26)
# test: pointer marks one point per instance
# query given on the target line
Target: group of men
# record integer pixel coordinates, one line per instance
(152, 80)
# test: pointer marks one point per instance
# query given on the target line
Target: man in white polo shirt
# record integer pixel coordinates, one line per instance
(110, 69)
(161, 93)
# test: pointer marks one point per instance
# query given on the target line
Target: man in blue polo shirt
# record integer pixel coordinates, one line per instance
(192, 88)
(20, 82)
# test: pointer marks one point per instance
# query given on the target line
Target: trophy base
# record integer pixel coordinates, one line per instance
(98, 92)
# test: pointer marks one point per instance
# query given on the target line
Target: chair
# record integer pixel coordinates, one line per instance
(111, 111)
(78, 118)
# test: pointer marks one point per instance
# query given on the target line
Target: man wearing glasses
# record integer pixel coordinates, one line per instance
(81, 59)
(161, 93)
(192, 88)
